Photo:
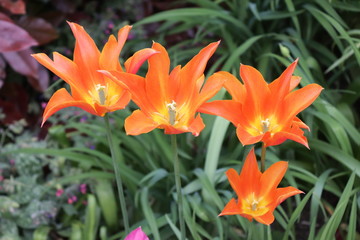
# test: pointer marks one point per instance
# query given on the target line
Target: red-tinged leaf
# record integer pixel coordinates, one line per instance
(41, 30)
(5, 17)
(14, 101)
(24, 64)
(2, 71)
(65, 6)
(14, 6)
(14, 38)
(41, 83)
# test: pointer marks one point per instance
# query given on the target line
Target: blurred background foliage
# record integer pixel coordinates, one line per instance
(56, 182)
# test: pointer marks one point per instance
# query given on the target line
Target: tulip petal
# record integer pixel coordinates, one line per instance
(271, 178)
(231, 208)
(62, 99)
(62, 67)
(109, 58)
(234, 180)
(174, 83)
(227, 109)
(281, 86)
(196, 66)
(138, 123)
(233, 86)
(295, 134)
(257, 92)
(133, 64)
(267, 218)
(245, 137)
(86, 54)
(295, 80)
(298, 100)
(134, 84)
(157, 77)
(250, 175)
(283, 193)
(193, 70)
(300, 124)
(210, 88)
(120, 104)
(196, 126)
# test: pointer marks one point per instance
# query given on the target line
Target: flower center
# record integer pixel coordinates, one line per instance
(172, 112)
(265, 125)
(101, 92)
(254, 206)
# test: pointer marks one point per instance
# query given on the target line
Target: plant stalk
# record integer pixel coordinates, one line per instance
(263, 154)
(178, 185)
(115, 157)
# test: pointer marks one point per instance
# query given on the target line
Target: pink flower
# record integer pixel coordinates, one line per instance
(137, 234)
(72, 199)
(59, 192)
(83, 188)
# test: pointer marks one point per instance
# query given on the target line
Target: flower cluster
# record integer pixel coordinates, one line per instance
(173, 100)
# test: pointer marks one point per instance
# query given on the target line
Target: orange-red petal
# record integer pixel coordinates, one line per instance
(133, 64)
(138, 123)
(233, 86)
(271, 178)
(63, 68)
(196, 126)
(266, 219)
(109, 57)
(193, 70)
(227, 109)
(234, 180)
(135, 85)
(210, 88)
(295, 134)
(283, 193)
(245, 137)
(231, 208)
(62, 99)
(257, 92)
(157, 77)
(300, 99)
(86, 54)
(281, 86)
(250, 176)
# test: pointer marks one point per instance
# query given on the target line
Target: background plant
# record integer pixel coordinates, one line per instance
(268, 35)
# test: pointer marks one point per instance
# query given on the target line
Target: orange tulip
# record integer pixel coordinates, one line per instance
(264, 112)
(91, 90)
(257, 192)
(169, 101)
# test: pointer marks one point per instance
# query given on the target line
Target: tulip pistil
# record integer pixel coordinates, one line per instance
(172, 112)
(101, 91)
(265, 124)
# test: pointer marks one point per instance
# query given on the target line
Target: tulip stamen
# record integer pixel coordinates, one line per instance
(101, 89)
(265, 124)
(172, 112)
(254, 205)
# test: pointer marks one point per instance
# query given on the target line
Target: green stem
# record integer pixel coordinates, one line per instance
(178, 185)
(115, 157)
(263, 154)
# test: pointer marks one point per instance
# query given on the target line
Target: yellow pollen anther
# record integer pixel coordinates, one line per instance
(101, 91)
(265, 124)
(172, 112)
(254, 205)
